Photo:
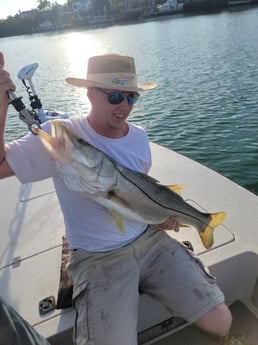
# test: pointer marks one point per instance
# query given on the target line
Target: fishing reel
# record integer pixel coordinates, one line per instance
(26, 74)
(36, 115)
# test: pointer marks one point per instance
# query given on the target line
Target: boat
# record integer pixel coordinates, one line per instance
(31, 245)
(32, 248)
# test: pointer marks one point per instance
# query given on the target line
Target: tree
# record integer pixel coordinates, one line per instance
(44, 5)
(101, 6)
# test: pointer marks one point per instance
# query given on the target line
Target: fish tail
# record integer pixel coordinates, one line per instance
(207, 234)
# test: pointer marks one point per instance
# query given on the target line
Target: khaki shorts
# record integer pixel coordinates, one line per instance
(107, 285)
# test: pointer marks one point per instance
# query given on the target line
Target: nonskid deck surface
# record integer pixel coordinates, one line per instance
(244, 331)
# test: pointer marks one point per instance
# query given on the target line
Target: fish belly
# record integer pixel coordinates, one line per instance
(154, 203)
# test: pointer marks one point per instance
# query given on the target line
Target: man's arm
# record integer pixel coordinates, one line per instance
(6, 84)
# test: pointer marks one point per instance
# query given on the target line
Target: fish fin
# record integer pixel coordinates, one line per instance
(46, 139)
(119, 220)
(55, 143)
(207, 234)
(176, 188)
(117, 217)
(207, 237)
(43, 135)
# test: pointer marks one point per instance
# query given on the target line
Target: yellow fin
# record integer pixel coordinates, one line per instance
(207, 237)
(119, 220)
(207, 234)
(176, 188)
(117, 217)
(43, 135)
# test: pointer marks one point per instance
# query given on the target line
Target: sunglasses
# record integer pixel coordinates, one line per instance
(118, 97)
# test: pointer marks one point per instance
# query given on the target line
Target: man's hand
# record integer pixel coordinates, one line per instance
(172, 223)
(1, 59)
(6, 83)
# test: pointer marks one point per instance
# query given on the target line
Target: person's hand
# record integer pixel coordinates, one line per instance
(172, 223)
(6, 83)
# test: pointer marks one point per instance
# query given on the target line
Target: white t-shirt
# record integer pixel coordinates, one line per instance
(88, 225)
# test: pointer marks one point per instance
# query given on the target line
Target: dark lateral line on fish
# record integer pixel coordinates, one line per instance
(168, 208)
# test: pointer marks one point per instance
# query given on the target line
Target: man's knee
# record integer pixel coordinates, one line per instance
(217, 321)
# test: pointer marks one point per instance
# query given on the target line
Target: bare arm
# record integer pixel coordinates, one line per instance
(5, 85)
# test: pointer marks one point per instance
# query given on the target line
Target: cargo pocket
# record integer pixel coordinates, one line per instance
(204, 269)
(81, 306)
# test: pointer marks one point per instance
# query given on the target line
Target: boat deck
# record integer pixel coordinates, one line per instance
(233, 259)
(244, 332)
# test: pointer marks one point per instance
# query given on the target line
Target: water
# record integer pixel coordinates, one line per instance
(206, 66)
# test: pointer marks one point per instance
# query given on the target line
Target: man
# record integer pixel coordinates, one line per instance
(109, 268)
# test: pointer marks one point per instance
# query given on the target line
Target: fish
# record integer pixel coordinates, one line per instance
(124, 192)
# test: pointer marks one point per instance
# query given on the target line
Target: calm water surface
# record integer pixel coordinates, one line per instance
(207, 69)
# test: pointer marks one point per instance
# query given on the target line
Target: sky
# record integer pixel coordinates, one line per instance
(11, 7)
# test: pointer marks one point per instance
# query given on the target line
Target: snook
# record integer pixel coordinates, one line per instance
(124, 192)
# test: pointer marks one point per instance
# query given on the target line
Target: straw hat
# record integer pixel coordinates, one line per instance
(112, 71)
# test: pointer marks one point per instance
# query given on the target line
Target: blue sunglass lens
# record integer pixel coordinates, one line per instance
(133, 98)
(116, 98)
(130, 100)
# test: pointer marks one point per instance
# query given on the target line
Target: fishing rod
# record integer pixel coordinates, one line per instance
(25, 114)
(36, 115)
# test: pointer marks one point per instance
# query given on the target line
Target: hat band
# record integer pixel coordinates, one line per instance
(116, 79)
